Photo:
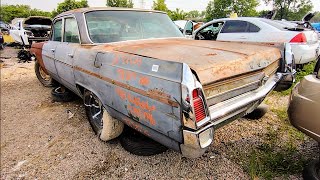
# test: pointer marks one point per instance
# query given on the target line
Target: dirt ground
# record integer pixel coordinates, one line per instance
(39, 141)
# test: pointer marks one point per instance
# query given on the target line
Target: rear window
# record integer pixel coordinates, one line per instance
(279, 24)
(114, 26)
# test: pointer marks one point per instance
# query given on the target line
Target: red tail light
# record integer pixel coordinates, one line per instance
(300, 38)
(198, 106)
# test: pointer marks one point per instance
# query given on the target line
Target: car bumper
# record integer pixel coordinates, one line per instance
(196, 142)
(304, 53)
(304, 106)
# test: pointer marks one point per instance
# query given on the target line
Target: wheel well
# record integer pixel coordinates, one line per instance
(81, 89)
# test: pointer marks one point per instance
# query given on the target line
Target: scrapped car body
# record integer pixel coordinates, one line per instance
(174, 90)
(304, 42)
(34, 28)
(304, 105)
(303, 111)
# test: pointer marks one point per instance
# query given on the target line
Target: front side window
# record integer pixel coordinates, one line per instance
(71, 31)
(57, 28)
(210, 32)
(234, 27)
(114, 26)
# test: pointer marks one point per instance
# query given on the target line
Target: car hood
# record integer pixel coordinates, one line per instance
(211, 60)
(37, 20)
(309, 16)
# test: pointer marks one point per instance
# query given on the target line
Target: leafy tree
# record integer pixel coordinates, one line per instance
(222, 8)
(193, 14)
(120, 3)
(160, 5)
(9, 12)
(177, 14)
(68, 5)
(210, 11)
(291, 9)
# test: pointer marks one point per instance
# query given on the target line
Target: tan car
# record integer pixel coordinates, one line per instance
(304, 105)
(304, 113)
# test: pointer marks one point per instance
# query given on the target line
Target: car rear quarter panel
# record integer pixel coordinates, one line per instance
(145, 89)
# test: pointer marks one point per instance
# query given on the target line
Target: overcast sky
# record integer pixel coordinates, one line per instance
(186, 5)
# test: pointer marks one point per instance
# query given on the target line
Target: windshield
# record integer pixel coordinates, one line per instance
(114, 26)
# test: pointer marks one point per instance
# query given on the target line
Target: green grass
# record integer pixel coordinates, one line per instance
(277, 156)
(307, 69)
(274, 158)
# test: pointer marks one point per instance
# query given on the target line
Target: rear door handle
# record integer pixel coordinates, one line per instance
(53, 50)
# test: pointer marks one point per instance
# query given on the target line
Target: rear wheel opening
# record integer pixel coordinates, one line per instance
(105, 126)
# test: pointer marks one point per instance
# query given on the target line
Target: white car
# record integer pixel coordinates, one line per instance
(34, 28)
(304, 42)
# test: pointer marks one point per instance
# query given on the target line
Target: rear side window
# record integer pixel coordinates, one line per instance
(71, 31)
(253, 28)
(235, 27)
(57, 27)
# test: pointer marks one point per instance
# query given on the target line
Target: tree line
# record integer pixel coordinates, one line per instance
(286, 9)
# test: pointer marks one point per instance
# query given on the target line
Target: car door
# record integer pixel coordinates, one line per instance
(209, 32)
(234, 30)
(64, 55)
(49, 48)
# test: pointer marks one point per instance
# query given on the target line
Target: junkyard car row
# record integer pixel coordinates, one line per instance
(135, 68)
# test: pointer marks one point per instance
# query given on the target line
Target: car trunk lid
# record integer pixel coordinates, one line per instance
(212, 61)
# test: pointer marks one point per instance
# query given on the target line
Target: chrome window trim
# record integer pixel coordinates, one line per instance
(69, 17)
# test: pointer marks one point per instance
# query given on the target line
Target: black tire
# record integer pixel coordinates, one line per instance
(93, 106)
(45, 79)
(312, 171)
(258, 113)
(61, 94)
(138, 144)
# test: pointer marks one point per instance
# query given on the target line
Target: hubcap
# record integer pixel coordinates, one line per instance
(95, 110)
(44, 75)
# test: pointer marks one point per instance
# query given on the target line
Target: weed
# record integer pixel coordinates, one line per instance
(281, 113)
(271, 160)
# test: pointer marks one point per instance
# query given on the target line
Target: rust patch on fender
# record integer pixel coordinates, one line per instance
(161, 97)
(36, 49)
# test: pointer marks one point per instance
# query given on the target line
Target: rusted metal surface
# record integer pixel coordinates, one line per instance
(148, 84)
(212, 61)
(36, 50)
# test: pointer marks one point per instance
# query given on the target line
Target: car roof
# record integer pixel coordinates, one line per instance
(89, 9)
(238, 18)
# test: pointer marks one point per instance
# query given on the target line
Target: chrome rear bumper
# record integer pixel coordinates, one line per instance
(195, 142)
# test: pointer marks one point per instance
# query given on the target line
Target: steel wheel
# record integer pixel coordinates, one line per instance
(94, 111)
